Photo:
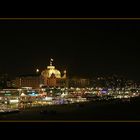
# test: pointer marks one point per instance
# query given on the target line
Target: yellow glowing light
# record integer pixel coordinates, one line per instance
(37, 70)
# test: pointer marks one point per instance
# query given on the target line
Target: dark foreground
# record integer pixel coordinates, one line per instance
(90, 111)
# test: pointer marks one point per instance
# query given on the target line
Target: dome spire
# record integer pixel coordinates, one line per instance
(51, 60)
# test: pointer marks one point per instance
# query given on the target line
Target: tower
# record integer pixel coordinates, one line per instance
(65, 72)
(51, 60)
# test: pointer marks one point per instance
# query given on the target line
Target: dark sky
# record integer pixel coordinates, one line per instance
(84, 48)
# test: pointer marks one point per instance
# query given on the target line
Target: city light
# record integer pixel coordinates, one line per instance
(37, 70)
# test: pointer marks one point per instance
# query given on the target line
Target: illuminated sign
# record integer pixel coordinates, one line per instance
(104, 91)
(33, 94)
(7, 94)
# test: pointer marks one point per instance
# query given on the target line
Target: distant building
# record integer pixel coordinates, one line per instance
(79, 82)
(9, 83)
(27, 81)
(52, 77)
(4, 81)
(49, 77)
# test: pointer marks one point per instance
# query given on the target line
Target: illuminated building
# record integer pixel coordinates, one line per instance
(27, 81)
(79, 82)
(52, 77)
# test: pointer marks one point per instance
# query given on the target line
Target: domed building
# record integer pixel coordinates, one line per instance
(52, 76)
(49, 71)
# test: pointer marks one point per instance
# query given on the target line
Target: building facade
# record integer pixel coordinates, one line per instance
(52, 77)
(33, 81)
(79, 82)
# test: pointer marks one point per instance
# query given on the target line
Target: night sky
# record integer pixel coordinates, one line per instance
(83, 48)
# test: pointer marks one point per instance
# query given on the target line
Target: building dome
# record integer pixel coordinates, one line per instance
(51, 70)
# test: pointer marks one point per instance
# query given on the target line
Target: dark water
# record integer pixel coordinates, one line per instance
(91, 111)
